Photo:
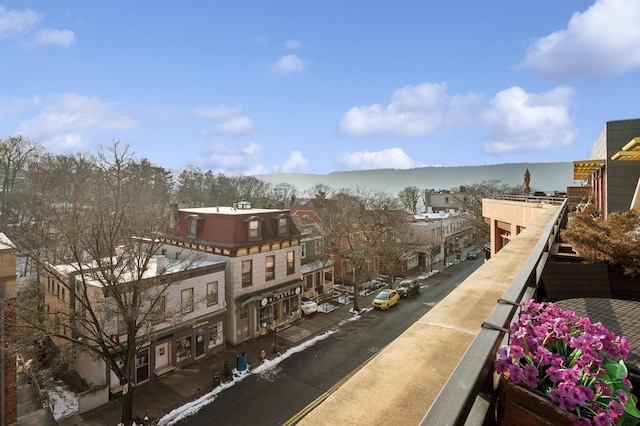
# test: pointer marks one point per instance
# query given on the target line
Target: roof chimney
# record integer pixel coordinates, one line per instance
(161, 264)
(173, 216)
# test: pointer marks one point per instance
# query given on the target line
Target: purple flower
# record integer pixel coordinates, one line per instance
(564, 357)
(554, 373)
(602, 419)
(531, 376)
(615, 409)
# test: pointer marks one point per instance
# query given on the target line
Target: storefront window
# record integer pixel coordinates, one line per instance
(215, 335)
(183, 348)
(289, 306)
(265, 316)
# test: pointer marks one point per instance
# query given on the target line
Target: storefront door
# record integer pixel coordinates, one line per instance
(142, 366)
(200, 343)
(162, 355)
(242, 323)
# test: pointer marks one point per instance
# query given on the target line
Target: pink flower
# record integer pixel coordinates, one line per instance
(569, 359)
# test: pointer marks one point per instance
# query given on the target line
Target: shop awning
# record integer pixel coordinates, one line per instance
(629, 152)
(269, 293)
(582, 169)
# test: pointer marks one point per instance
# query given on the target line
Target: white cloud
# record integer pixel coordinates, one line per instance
(58, 37)
(288, 64)
(25, 24)
(392, 158)
(13, 22)
(603, 41)
(295, 163)
(235, 126)
(414, 110)
(292, 44)
(234, 158)
(229, 119)
(65, 122)
(518, 121)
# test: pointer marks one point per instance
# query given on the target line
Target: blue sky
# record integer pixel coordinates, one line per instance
(258, 87)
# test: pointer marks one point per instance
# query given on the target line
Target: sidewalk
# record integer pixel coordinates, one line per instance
(160, 396)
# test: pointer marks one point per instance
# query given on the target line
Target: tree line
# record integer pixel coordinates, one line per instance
(83, 209)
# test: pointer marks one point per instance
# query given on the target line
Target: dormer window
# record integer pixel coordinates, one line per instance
(283, 226)
(254, 230)
(193, 224)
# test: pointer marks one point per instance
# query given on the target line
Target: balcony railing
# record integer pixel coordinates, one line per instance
(469, 394)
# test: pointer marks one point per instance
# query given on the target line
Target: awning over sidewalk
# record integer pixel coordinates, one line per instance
(271, 294)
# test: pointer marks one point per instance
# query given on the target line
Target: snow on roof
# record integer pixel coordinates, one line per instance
(158, 265)
(5, 242)
(229, 210)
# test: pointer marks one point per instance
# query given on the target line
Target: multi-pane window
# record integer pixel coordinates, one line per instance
(283, 226)
(193, 225)
(290, 306)
(159, 310)
(291, 266)
(308, 282)
(254, 230)
(247, 279)
(215, 335)
(270, 267)
(318, 246)
(186, 300)
(212, 293)
(303, 251)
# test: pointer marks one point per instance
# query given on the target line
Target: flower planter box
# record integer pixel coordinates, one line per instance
(518, 405)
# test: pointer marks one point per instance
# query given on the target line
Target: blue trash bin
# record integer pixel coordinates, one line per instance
(241, 361)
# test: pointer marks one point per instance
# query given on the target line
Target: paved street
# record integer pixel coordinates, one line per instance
(278, 395)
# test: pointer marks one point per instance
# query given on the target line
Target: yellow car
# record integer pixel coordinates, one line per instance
(386, 299)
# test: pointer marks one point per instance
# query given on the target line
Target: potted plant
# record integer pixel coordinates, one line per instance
(565, 359)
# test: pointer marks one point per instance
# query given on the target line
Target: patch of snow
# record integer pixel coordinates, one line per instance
(63, 402)
(264, 370)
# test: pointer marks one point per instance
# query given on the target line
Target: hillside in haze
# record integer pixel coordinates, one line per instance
(544, 177)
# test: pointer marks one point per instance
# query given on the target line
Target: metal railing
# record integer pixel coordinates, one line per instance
(530, 198)
(469, 394)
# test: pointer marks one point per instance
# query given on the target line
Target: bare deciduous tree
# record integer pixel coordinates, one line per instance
(409, 198)
(470, 198)
(15, 152)
(366, 230)
(101, 275)
(321, 191)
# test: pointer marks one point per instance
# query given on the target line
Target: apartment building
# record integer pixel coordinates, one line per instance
(611, 175)
(316, 270)
(187, 323)
(262, 253)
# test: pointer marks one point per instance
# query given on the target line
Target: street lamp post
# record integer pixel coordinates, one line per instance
(444, 246)
(274, 306)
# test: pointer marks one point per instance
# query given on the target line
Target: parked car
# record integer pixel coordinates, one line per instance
(408, 288)
(385, 299)
(472, 255)
(309, 306)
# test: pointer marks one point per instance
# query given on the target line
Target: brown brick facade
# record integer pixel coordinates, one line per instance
(8, 294)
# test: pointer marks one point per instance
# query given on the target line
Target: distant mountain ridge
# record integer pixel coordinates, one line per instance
(544, 177)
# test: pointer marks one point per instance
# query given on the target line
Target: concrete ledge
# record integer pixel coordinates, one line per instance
(423, 358)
